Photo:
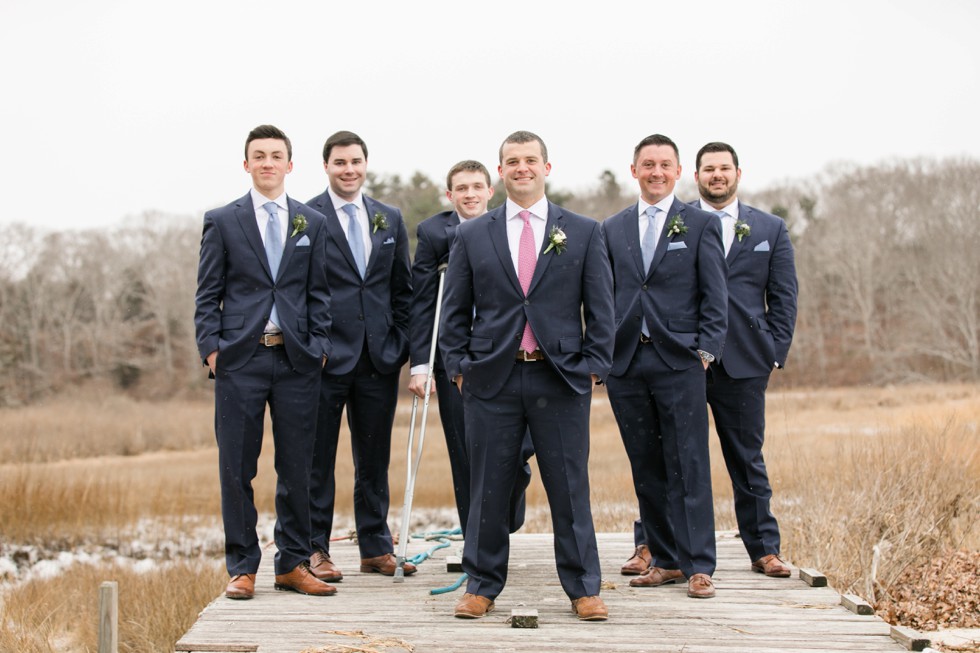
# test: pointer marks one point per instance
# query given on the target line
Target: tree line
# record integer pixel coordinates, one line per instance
(887, 257)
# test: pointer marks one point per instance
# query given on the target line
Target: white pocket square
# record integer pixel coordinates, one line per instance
(762, 247)
(304, 241)
(680, 244)
(389, 241)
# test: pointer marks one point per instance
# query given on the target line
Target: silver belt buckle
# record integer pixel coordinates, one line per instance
(526, 359)
(265, 338)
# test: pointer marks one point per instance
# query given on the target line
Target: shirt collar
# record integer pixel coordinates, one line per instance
(539, 209)
(339, 202)
(664, 204)
(731, 208)
(259, 201)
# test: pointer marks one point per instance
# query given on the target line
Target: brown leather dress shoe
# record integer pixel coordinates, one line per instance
(241, 586)
(639, 563)
(771, 565)
(302, 580)
(323, 567)
(590, 608)
(386, 565)
(699, 586)
(655, 577)
(473, 606)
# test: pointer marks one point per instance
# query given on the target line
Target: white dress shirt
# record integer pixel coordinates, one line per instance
(644, 222)
(515, 225)
(727, 221)
(262, 220)
(362, 219)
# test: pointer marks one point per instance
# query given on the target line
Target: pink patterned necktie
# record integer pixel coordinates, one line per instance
(527, 258)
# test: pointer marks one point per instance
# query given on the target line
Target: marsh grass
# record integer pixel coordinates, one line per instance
(854, 471)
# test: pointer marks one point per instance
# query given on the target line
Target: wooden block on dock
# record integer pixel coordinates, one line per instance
(523, 618)
(909, 638)
(856, 604)
(454, 563)
(813, 578)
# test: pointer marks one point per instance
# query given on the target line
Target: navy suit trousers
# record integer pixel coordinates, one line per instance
(739, 409)
(369, 397)
(240, 400)
(663, 421)
(534, 398)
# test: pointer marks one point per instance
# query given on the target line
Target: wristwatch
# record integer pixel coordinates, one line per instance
(706, 357)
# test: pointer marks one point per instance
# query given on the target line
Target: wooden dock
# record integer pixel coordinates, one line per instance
(373, 614)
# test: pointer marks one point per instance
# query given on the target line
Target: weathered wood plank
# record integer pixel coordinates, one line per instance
(751, 612)
(910, 639)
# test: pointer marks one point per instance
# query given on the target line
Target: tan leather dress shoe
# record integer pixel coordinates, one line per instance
(590, 608)
(639, 563)
(771, 565)
(323, 567)
(386, 565)
(241, 586)
(699, 586)
(473, 606)
(655, 577)
(302, 580)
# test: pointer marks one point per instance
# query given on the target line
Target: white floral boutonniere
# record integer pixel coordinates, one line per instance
(676, 226)
(742, 229)
(299, 224)
(557, 240)
(379, 221)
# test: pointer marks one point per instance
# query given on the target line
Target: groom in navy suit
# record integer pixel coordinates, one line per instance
(671, 312)
(762, 290)
(263, 325)
(370, 278)
(526, 333)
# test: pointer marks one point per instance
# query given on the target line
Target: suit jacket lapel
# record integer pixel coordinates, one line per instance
(676, 208)
(451, 223)
(379, 236)
(498, 237)
(631, 225)
(745, 215)
(553, 220)
(245, 212)
(291, 239)
(325, 206)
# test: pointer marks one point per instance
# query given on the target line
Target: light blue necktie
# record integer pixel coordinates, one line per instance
(354, 237)
(648, 246)
(273, 249)
(727, 232)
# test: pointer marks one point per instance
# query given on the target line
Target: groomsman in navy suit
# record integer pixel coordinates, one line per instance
(762, 292)
(370, 277)
(671, 300)
(526, 333)
(263, 328)
(469, 189)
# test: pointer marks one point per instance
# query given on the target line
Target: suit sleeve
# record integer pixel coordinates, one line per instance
(425, 282)
(713, 286)
(781, 294)
(457, 308)
(210, 288)
(597, 306)
(318, 294)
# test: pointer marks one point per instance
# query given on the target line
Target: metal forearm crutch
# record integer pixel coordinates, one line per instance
(411, 469)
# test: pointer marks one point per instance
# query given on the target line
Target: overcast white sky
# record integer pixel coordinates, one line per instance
(112, 108)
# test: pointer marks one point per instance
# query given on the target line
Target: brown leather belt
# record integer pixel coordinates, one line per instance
(271, 339)
(645, 340)
(528, 356)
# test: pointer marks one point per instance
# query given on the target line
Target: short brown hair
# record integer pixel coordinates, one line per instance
(469, 165)
(523, 137)
(342, 139)
(715, 146)
(269, 131)
(655, 139)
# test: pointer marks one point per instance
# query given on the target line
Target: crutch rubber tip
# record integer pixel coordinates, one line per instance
(523, 618)
(399, 574)
(454, 564)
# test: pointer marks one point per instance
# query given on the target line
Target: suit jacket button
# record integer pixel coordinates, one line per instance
(360, 317)
(644, 286)
(526, 303)
(517, 336)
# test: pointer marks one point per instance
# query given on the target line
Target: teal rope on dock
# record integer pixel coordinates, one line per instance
(450, 588)
(442, 537)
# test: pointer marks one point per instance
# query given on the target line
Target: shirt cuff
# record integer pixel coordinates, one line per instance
(419, 369)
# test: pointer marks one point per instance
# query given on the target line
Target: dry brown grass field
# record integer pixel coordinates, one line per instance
(869, 483)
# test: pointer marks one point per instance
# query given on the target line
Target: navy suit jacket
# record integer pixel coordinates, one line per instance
(569, 303)
(235, 288)
(374, 309)
(762, 292)
(434, 236)
(683, 296)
